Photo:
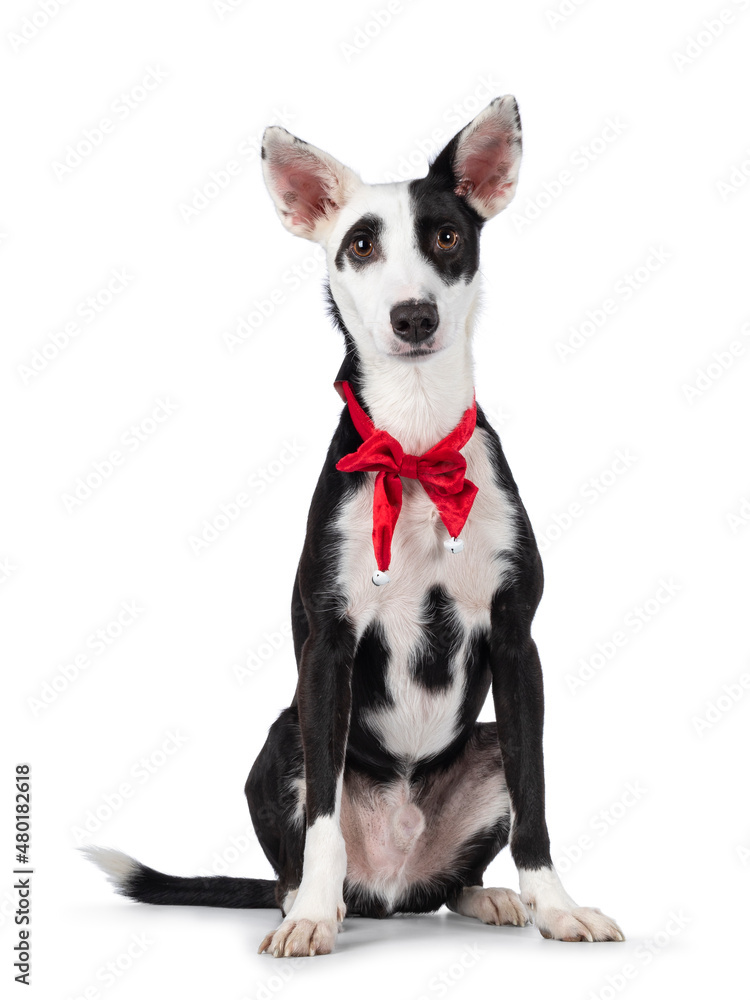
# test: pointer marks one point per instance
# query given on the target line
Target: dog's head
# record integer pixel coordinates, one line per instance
(402, 258)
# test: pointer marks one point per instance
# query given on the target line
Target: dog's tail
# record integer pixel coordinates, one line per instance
(136, 881)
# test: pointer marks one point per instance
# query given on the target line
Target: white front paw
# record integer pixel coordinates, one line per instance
(557, 916)
(306, 930)
(298, 938)
(580, 923)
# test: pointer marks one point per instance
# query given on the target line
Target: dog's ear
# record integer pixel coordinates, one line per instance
(308, 187)
(481, 162)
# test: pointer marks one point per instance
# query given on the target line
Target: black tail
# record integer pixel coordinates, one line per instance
(137, 881)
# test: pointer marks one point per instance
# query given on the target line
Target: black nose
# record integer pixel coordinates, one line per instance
(414, 321)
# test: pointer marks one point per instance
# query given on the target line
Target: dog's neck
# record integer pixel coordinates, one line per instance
(417, 402)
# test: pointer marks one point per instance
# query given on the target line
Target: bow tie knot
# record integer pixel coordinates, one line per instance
(409, 467)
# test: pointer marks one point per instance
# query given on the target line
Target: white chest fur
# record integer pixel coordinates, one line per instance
(420, 722)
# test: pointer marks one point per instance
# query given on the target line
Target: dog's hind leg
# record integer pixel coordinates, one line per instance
(273, 796)
(491, 906)
(472, 898)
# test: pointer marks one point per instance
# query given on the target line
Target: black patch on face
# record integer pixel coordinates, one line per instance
(436, 206)
(369, 227)
(442, 635)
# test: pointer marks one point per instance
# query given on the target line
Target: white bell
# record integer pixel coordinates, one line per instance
(380, 578)
(454, 545)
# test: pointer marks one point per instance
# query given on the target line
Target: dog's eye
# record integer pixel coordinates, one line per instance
(362, 246)
(447, 238)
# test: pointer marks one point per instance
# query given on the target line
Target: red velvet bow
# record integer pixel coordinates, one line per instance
(440, 470)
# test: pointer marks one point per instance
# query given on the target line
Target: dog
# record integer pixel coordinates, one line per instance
(377, 791)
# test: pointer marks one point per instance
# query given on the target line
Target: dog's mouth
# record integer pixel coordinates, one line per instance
(413, 352)
(420, 352)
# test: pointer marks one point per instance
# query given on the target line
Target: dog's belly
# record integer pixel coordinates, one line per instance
(431, 619)
(403, 834)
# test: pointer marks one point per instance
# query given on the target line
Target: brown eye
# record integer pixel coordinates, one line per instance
(447, 238)
(362, 247)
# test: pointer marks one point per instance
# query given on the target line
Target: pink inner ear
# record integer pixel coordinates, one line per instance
(484, 167)
(304, 189)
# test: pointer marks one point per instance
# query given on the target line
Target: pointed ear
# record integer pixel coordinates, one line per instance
(308, 187)
(485, 156)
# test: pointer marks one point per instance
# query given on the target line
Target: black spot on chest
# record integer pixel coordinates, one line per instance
(432, 664)
(369, 670)
(369, 693)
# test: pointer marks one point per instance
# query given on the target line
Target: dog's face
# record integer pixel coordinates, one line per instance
(402, 267)
(402, 258)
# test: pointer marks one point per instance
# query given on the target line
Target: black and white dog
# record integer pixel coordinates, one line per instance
(377, 791)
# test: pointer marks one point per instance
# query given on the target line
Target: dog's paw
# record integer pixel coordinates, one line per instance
(582, 923)
(297, 938)
(492, 906)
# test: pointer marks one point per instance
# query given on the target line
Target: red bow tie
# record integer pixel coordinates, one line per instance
(440, 470)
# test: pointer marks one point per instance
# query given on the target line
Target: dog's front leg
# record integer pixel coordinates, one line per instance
(324, 705)
(519, 707)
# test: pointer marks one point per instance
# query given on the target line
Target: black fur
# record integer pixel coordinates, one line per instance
(370, 226)
(433, 665)
(436, 207)
(148, 886)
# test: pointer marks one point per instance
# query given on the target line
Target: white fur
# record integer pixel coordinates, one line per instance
(288, 900)
(298, 788)
(420, 723)
(321, 892)
(541, 889)
(419, 403)
(118, 867)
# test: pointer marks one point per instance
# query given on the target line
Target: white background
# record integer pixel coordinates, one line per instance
(370, 94)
